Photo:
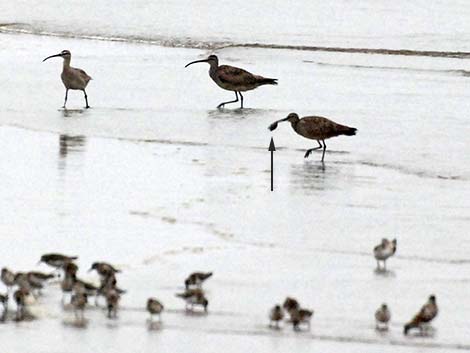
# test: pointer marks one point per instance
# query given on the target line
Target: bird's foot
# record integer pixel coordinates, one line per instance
(87, 107)
(221, 105)
(307, 153)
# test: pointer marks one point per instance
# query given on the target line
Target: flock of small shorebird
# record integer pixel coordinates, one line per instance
(232, 79)
(26, 284)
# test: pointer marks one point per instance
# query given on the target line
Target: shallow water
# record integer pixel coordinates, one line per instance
(155, 179)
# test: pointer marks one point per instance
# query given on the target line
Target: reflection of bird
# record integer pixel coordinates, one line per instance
(233, 79)
(315, 128)
(384, 250)
(70, 143)
(196, 279)
(427, 313)
(382, 316)
(154, 307)
(276, 314)
(72, 78)
(194, 297)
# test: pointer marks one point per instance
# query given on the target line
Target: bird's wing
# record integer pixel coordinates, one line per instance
(83, 74)
(235, 75)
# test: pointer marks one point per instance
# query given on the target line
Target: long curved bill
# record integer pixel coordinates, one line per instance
(52, 56)
(197, 61)
(273, 126)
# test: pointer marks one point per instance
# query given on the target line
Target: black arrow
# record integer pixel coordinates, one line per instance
(272, 148)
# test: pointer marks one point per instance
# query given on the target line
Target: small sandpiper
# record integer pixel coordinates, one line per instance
(104, 269)
(112, 303)
(382, 317)
(57, 261)
(196, 279)
(108, 283)
(194, 297)
(154, 307)
(79, 302)
(20, 300)
(383, 251)
(427, 313)
(275, 316)
(4, 302)
(39, 277)
(290, 304)
(300, 316)
(8, 278)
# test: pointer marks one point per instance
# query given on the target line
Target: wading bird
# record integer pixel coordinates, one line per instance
(383, 251)
(427, 313)
(275, 316)
(315, 128)
(233, 78)
(382, 317)
(154, 307)
(196, 279)
(72, 78)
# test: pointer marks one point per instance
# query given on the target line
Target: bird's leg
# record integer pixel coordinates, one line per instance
(324, 149)
(385, 265)
(221, 105)
(86, 99)
(66, 94)
(313, 149)
(241, 97)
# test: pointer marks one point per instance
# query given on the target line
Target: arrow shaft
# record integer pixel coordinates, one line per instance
(272, 170)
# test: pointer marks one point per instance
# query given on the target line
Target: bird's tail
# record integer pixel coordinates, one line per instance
(267, 81)
(348, 131)
(412, 324)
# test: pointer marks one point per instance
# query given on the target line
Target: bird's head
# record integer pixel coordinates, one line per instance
(94, 266)
(211, 59)
(292, 118)
(63, 54)
(384, 306)
(432, 298)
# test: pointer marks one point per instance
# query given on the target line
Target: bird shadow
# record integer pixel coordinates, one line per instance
(194, 313)
(154, 325)
(384, 273)
(238, 113)
(68, 113)
(81, 324)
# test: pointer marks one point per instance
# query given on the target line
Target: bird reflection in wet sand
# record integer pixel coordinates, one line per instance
(69, 143)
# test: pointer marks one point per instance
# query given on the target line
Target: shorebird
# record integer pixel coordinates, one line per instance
(382, 317)
(108, 283)
(57, 260)
(315, 128)
(300, 316)
(194, 297)
(290, 304)
(196, 279)
(112, 302)
(72, 78)
(383, 251)
(8, 278)
(79, 301)
(104, 269)
(275, 316)
(427, 313)
(233, 78)
(154, 307)
(4, 301)
(20, 300)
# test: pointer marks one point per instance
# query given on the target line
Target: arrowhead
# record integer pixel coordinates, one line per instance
(271, 146)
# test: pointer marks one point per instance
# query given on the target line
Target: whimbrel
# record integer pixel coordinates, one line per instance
(382, 317)
(194, 297)
(154, 307)
(196, 279)
(427, 313)
(233, 78)
(275, 316)
(72, 78)
(315, 128)
(383, 251)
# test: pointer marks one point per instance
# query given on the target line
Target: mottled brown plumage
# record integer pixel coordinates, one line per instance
(315, 128)
(382, 317)
(427, 313)
(72, 78)
(275, 316)
(233, 78)
(154, 307)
